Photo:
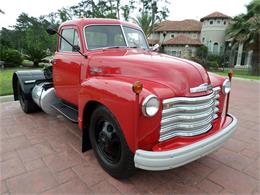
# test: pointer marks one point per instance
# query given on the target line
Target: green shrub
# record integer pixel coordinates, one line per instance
(214, 58)
(213, 65)
(11, 57)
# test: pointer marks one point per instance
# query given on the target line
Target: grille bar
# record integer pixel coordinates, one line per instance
(189, 116)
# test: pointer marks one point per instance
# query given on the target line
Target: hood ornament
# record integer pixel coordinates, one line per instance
(201, 88)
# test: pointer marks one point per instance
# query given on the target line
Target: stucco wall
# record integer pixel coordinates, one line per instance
(213, 32)
(178, 50)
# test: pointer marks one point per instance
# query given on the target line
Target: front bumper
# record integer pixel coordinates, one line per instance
(156, 161)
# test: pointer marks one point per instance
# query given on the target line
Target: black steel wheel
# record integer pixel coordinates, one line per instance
(109, 144)
(108, 141)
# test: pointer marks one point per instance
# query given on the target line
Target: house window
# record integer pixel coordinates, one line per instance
(224, 22)
(203, 39)
(211, 22)
(174, 53)
(172, 35)
(215, 48)
(218, 21)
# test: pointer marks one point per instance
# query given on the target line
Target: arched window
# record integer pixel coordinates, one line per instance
(215, 48)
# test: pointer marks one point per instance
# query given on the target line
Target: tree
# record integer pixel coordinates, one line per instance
(31, 38)
(64, 14)
(246, 29)
(127, 9)
(145, 22)
(202, 52)
(151, 14)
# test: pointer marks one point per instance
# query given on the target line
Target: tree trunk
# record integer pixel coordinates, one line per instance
(35, 64)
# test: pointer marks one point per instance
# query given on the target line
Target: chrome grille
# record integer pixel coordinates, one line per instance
(188, 116)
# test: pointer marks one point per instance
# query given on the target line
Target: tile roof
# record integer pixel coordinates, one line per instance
(182, 40)
(215, 15)
(179, 26)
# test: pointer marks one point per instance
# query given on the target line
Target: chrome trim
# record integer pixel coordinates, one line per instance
(201, 88)
(186, 126)
(164, 160)
(145, 102)
(189, 99)
(190, 108)
(193, 117)
(189, 116)
(29, 81)
(185, 133)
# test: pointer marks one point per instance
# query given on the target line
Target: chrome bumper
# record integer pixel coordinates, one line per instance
(156, 161)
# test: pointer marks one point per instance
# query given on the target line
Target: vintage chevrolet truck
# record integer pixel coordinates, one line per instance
(136, 108)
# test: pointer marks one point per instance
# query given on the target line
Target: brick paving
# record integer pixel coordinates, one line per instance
(42, 154)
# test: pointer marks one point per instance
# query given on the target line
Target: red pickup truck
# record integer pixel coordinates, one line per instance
(137, 108)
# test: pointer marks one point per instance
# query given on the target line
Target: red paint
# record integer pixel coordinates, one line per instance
(162, 75)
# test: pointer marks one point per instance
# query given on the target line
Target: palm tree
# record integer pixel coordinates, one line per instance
(246, 29)
(146, 22)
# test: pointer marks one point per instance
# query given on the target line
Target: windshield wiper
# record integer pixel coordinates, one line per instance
(113, 47)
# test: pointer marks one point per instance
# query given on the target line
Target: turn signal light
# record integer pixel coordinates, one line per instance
(137, 87)
(230, 74)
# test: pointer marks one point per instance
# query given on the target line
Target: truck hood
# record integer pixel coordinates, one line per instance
(178, 74)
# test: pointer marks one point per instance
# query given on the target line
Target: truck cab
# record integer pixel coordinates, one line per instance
(137, 108)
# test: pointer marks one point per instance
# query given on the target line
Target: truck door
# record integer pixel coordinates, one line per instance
(67, 66)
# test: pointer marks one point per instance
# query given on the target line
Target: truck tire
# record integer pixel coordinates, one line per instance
(27, 105)
(109, 145)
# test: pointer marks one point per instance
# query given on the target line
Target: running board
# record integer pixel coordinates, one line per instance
(67, 111)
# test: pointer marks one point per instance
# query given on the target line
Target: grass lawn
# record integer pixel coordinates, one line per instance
(238, 73)
(6, 76)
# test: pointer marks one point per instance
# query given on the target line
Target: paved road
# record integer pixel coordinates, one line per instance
(41, 154)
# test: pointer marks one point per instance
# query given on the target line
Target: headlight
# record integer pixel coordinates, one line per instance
(150, 105)
(226, 86)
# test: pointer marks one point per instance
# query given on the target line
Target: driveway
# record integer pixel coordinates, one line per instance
(42, 154)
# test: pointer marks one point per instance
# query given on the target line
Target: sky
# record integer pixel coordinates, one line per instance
(179, 9)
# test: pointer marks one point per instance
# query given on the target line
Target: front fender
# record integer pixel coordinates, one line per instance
(118, 97)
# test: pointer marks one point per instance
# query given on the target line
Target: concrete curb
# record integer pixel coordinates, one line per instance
(6, 98)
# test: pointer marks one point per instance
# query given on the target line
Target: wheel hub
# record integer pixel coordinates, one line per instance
(108, 142)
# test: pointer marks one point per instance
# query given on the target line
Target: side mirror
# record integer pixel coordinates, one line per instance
(155, 47)
(51, 30)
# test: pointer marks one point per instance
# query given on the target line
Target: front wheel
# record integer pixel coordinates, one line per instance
(109, 144)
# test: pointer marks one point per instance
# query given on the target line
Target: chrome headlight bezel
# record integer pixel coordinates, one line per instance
(226, 87)
(146, 108)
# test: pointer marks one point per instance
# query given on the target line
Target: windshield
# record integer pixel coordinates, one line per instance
(111, 36)
(135, 38)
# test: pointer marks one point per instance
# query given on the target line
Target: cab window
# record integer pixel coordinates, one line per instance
(72, 36)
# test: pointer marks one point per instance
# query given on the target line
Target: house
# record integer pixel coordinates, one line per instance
(179, 37)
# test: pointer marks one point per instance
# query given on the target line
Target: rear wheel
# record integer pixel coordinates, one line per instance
(109, 144)
(27, 105)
